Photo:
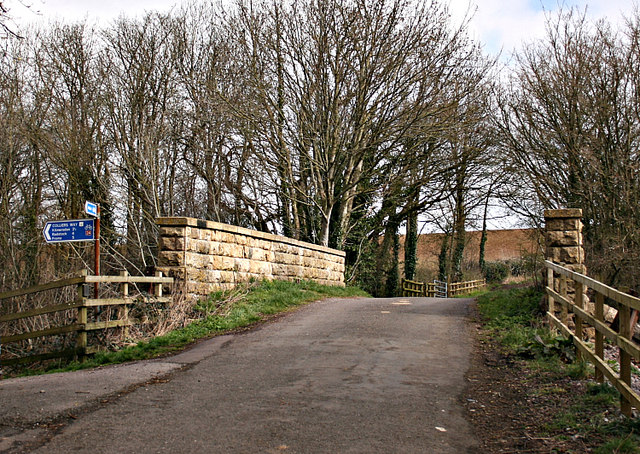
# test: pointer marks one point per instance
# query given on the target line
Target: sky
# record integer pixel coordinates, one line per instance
(500, 25)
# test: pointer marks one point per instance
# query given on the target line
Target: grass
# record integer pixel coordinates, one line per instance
(514, 318)
(241, 308)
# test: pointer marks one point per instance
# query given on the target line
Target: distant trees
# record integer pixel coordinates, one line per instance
(570, 128)
(331, 121)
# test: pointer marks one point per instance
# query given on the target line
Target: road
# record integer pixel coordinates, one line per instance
(336, 376)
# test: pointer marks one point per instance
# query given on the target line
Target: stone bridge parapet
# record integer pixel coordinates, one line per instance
(209, 256)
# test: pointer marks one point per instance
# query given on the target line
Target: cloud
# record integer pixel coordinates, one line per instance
(499, 24)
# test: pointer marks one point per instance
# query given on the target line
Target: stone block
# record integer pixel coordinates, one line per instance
(170, 258)
(227, 277)
(172, 231)
(563, 238)
(561, 224)
(213, 276)
(167, 243)
(563, 213)
(232, 250)
(242, 265)
(227, 237)
(242, 240)
(201, 246)
(568, 255)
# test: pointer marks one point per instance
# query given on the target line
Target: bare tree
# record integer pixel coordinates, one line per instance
(570, 129)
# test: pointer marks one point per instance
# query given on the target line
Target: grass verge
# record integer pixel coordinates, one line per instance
(222, 312)
(572, 409)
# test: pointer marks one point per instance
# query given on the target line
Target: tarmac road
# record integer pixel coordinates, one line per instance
(337, 376)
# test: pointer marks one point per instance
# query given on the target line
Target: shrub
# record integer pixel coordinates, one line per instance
(496, 272)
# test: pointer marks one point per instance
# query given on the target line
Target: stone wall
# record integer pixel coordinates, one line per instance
(208, 256)
(563, 238)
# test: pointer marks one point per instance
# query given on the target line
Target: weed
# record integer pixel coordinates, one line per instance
(619, 446)
(219, 313)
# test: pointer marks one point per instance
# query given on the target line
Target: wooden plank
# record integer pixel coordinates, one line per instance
(624, 389)
(105, 325)
(601, 327)
(92, 302)
(81, 339)
(625, 358)
(124, 310)
(599, 287)
(42, 287)
(44, 332)
(599, 315)
(42, 357)
(550, 286)
(130, 279)
(40, 311)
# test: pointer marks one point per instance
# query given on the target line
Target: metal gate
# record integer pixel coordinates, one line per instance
(441, 290)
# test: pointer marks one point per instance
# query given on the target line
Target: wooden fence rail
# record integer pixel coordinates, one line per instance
(558, 314)
(431, 289)
(460, 288)
(81, 326)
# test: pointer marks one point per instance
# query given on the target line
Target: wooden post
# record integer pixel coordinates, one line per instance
(158, 289)
(625, 358)
(124, 314)
(81, 340)
(577, 300)
(550, 284)
(599, 314)
(564, 312)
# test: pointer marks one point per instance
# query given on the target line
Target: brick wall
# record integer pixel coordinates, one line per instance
(209, 256)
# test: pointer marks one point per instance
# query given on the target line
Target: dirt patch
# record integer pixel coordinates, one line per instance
(515, 408)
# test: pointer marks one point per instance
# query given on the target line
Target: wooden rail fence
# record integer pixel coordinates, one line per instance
(82, 305)
(460, 288)
(558, 315)
(433, 289)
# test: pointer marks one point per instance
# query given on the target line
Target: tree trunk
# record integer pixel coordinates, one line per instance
(411, 247)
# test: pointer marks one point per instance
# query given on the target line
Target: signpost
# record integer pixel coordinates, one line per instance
(69, 230)
(78, 230)
(92, 209)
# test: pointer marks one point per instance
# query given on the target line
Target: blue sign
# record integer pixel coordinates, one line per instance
(91, 208)
(71, 230)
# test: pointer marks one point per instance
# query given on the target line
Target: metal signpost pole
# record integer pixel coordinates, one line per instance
(97, 250)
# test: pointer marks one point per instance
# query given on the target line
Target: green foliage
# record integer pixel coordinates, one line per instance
(619, 446)
(514, 319)
(521, 304)
(496, 272)
(248, 305)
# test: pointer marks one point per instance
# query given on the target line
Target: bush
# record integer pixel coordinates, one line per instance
(496, 272)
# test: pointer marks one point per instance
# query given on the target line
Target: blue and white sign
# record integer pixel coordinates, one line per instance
(91, 208)
(70, 230)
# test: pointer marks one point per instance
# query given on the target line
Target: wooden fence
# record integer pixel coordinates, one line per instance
(460, 288)
(433, 290)
(82, 305)
(558, 315)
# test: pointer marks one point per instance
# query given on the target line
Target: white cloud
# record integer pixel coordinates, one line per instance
(506, 25)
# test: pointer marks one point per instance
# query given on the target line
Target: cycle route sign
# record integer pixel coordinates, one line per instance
(69, 230)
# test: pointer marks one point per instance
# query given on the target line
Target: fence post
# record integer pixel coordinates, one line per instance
(577, 300)
(625, 358)
(599, 314)
(158, 288)
(124, 315)
(81, 341)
